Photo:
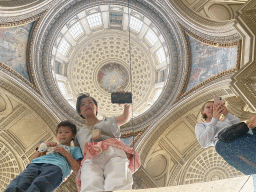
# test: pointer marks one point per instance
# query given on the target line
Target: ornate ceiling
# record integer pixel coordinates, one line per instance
(13, 11)
(212, 9)
(9, 166)
(86, 56)
(169, 151)
(101, 66)
(25, 120)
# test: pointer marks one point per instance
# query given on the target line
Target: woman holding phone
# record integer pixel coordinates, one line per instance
(105, 166)
(239, 153)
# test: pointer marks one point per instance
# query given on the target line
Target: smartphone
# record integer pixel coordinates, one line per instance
(121, 97)
(218, 100)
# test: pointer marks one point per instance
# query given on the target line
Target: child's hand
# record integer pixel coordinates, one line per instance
(61, 150)
(51, 144)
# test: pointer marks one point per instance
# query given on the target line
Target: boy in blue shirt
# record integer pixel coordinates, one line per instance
(46, 173)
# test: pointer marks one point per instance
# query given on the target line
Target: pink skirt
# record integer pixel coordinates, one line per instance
(95, 148)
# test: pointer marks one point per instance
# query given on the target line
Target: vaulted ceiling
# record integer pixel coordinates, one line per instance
(167, 58)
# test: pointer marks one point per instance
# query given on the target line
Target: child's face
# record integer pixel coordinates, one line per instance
(65, 135)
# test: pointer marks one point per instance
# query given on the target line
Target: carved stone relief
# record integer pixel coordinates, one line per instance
(243, 82)
(207, 166)
(5, 105)
(9, 165)
(25, 121)
(206, 28)
(221, 10)
(19, 12)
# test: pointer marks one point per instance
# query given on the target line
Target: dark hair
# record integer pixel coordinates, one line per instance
(204, 116)
(72, 126)
(78, 103)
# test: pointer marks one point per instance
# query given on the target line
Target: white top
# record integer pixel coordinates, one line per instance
(207, 132)
(108, 125)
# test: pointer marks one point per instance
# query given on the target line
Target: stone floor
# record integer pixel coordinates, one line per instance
(238, 184)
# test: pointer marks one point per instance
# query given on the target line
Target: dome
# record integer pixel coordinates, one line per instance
(100, 48)
(100, 61)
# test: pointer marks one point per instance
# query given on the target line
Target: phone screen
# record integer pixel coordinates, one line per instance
(121, 97)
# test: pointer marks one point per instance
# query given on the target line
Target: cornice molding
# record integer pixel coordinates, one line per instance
(15, 74)
(212, 79)
(21, 22)
(221, 32)
(243, 82)
(13, 14)
(29, 97)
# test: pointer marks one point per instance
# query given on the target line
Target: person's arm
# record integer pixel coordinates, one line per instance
(74, 164)
(38, 154)
(206, 133)
(231, 118)
(124, 118)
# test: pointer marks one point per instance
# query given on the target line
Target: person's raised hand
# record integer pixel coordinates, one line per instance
(224, 110)
(217, 111)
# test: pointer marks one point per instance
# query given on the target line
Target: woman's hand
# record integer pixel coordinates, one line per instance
(224, 110)
(252, 122)
(217, 111)
(127, 106)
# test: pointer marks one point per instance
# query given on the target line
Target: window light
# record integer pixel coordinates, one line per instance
(151, 37)
(116, 18)
(158, 93)
(135, 24)
(76, 30)
(161, 55)
(63, 47)
(94, 20)
(162, 75)
(62, 88)
(72, 104)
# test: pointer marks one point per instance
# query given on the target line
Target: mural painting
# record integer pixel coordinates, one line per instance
(207, 61)
(13, 43)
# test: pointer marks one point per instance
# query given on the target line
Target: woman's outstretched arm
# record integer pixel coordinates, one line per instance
(125, 117)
